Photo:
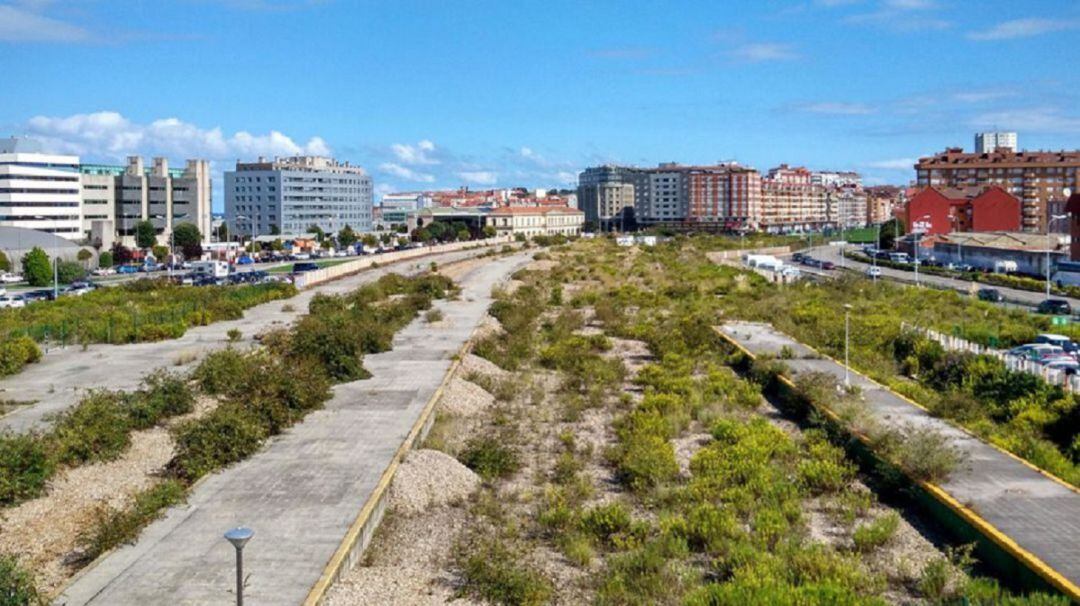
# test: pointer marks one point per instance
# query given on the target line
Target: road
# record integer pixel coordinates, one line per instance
(1022, 297)
(62, 376)
(1040, 514)
(300, 493)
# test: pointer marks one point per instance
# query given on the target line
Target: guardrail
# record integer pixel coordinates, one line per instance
(1017, 363)
(318, 276)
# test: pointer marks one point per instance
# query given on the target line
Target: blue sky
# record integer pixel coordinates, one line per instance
(437, 93)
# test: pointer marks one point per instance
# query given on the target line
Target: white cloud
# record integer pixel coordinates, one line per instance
(1023, 28)
(1031, 119)
(902, 16)
(25, 24)
(406, 173)
(834, 108)
(480, 177)
(759, 52)
(421, 153)
(896, 164)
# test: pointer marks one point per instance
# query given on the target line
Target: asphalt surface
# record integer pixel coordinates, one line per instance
(1040, 514)
(303, 490)
(1026, 298)
(63, 376)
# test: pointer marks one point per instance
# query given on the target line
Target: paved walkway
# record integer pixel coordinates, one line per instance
(58, 381)
(302, 492)
(1041, 515)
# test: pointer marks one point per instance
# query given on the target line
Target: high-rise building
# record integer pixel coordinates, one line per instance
(605, 192)
(289, 195)
(38, 190)
(117, 198)
(790, 201)
(988, 142)
(1039, 179)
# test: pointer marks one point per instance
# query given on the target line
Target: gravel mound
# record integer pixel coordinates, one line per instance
(428, 479)
(464, 398)
(473, 363)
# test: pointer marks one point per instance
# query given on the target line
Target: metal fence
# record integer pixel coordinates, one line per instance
(117, 327)
(1018, 363)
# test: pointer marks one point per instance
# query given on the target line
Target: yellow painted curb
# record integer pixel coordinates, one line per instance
(1033, 562)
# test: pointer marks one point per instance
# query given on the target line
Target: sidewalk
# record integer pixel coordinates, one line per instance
(301, 493)
(1041, 515)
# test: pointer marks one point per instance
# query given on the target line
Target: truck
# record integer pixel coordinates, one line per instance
(210, 269)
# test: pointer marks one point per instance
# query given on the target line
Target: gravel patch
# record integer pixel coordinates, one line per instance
(686, 446)
(542, 265)
(428, 479)
(473, 363)
(464, 398)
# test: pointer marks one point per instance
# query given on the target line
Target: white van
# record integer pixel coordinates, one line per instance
(212, 269)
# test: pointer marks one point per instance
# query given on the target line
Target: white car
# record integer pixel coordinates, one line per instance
(873, 272)
(9, 278)
(11, 301)
(104, 271)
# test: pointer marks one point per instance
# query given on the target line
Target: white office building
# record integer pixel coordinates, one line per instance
(988, 142)
(39, 191)
(289, 195)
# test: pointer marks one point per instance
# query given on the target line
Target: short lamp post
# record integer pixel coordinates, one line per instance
(239, 537)
(1050, 222)
(847, 345)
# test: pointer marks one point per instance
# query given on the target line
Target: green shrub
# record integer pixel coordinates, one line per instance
(112, 528)
(222, 372)
(644, 576)
(234, 335)
(163, 396)
(603, 522)
(96, 429)
(16, 353)
(226, 435)
(868, 537)
(490, 457)
(491, 571)
(25, 467)
(17, 586)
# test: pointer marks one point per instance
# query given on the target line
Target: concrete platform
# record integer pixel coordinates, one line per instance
(1040, 514)
(303, 490)
(63, 376)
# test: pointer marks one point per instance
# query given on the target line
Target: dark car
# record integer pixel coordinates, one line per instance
(828, 265)
(797, 257)
(1057, 307)
(299, 268)
(992, 295)
(39, 295)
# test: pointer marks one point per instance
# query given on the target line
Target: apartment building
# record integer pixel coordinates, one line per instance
(289, 195)
(39, 191)
(117, 198)
(792, 202)
(1039, 179)
(536, 221)
(605, 192)
(988, 142)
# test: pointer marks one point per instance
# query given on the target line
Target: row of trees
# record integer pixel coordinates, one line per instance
(440, 231)
(185, 237)
(37, 268)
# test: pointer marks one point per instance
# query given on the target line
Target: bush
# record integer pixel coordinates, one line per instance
(490, 571)
(96, 429)
(603, 522)
(490, 458)
(227, 435)
(17, 584)
(112, 528)
(16, 353)
(234, 335)
(868, 537)
(222, 372)
(25, 466)
(163, 396)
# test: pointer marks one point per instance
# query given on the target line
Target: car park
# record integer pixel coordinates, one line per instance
(992, 295)
(1057, 307)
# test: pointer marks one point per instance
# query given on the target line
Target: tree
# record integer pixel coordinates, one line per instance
(121, 254)
(145, 234)
(160, 252)
(36, 268)
(223, 232)
(274, 229)
(386, 238)
(369, 241)
(346, 237)
(463, 235)
(70, 271)
(105, 259)
(277, 245)
(187, 238)
(5, 263)
(490, 231)
(318, 231)
(890, 231)
(85, 255)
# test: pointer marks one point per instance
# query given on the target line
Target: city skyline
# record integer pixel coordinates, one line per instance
(830, 84)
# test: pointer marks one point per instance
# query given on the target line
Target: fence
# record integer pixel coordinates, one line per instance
(115, 327)
(1017, 363)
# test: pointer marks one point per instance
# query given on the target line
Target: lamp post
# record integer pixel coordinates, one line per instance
(239, 537)
(847, 344)
(1050, 222)
(252, 223)
(918, 233)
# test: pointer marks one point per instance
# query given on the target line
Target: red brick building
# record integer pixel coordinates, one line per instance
(934, 211)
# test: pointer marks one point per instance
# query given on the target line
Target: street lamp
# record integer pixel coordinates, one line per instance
(918, 233)
(1048, 224)
(847, 344)
(239, 537)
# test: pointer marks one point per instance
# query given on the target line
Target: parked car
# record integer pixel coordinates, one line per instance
(299, 268)
(1065, 343)
(798, 257)
(828, 265)
(75, 291)
(9, 278)
(127, 269)
(104, 271)
(992, 295)
(245, 260)
(1057, 307)
(873, 272)
(12, 301)
(1039, 352)
(1068, 366)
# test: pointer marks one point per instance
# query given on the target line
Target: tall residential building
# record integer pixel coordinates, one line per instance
(668, 194)
(38, 190)
(289, 195)
(116, 198)
(725, 194)
(1039, 179)
(790, 201)
(604, 192)
(988, 142)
